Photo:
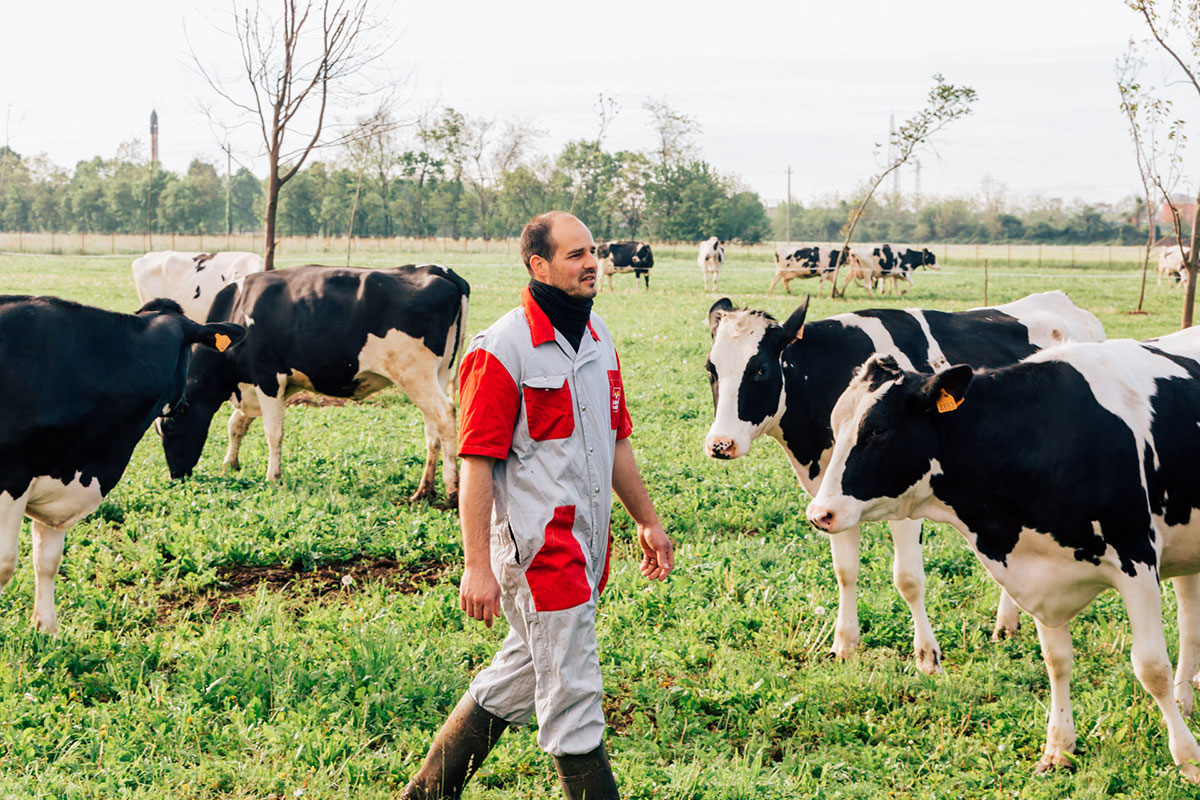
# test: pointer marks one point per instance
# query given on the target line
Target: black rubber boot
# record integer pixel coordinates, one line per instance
(587, 777)
(466, 737)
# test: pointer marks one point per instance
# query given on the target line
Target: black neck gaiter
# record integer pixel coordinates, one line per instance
(568, 315)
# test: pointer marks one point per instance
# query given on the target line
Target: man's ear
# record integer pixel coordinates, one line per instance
(717, 311)
(217, 335)
(946, 390)
(794, 325)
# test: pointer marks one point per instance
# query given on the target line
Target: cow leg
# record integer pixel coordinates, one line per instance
(716, 275)
(774, 281)
(1187, 594)
(239, 423)
(1059, 655)
(426, 393)
(1008, 617)
(908, 573)
(272, 415)
(12, 511)
(1143, 602)
(47, 556)
(845, 567)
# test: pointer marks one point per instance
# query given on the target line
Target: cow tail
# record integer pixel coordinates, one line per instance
(460, 326)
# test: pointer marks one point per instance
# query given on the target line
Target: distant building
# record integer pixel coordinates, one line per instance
(1184, 204)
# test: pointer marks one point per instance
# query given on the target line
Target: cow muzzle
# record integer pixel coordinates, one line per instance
(829, 517)
(722, 447)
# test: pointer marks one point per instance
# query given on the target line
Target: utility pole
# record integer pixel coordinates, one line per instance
(150, 182)
(789, 204)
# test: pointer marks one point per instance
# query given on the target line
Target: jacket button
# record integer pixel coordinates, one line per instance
(583, 408)
(596, 490)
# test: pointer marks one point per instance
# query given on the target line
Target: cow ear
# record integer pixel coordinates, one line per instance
(879, 369)
(946, 390)
(217, 335)
(717, 311)
(794, 325)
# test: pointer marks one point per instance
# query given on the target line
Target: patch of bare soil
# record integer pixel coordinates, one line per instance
(318, 400)
(237, 583)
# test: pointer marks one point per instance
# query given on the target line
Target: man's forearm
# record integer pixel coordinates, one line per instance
(627, 483)
(475, 509)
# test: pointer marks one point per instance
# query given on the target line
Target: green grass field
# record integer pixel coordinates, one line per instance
(226, 638)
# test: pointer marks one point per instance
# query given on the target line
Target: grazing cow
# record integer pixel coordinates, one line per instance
(343, 332)
(807, 261)
(635, 257)
(1171, 265)
(79, 388)
(190, 279)
(1068, 473)
(710, 259)
(783, 380)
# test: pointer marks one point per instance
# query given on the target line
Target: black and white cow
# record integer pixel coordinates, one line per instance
(190, 279)
(1171, 265)
(635, 257)
(1068, 473)
(783, 381)
(79, 388)
(907, 261)
(343, 332)
(710, 259)
(807, 261)
(867, 265)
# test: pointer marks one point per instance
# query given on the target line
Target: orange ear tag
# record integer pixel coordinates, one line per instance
(800, 333)
(222, 341)
(947, 403)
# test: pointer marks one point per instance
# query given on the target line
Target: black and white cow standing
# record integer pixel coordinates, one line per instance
(807, 261)
(1068, 473)
(635, 257)
(907, 262)
(342, 332)
(710, 259)
(783, 381)
(867, 265)
(78, 389)
(190, 279)
(1171, 265)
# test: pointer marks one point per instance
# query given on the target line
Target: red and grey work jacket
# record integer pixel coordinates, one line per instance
(551, 417)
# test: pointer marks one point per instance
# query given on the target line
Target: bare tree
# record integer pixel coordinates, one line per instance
(944, 104)
(294, 69)
(1181, 21)
(1145, 113)
(674, 131)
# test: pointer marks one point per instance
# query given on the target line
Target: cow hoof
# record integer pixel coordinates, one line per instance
(451, 503)
(1186, 703)
(1050, 762)
(422, 493)
(1003, 631)
(1191, 773)
(231, 467)
(843, 649)
(930, 662)
(49, 628)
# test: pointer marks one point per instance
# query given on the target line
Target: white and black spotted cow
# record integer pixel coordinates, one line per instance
(907, 262)
(806, 261)
(1068, 473)
(867, 265)
(783, 381)
(710, 259)
(635, 257)
(343, 332)
(190, 279)
(78, 389)
(1172, 265)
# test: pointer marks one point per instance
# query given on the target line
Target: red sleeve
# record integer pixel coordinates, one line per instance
(624, 422)
(489, 405)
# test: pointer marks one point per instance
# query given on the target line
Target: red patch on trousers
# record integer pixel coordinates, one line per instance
(607, 558)
(557, 575)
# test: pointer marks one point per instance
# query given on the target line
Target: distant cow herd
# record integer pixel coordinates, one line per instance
(1064, 460)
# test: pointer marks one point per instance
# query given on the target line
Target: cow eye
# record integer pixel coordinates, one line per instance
(876, 432)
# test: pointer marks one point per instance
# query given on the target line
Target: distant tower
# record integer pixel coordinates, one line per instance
(153, 136)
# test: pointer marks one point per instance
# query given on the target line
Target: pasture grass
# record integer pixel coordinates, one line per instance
(179, 673)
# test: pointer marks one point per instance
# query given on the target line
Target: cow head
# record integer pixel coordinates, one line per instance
(885, 443)
(928, 259)
(603, 249)
(745, 372)
(643, 257)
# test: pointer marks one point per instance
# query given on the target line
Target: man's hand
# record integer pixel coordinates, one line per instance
(658, 553)
(479, 594)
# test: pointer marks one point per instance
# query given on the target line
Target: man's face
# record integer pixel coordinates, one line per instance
(573, 267)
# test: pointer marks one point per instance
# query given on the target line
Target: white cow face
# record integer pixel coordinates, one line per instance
(746, 376)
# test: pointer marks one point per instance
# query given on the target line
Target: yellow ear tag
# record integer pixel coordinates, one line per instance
(947, 403)
(800, 333)
(222, 341)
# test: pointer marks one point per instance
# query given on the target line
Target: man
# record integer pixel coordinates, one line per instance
(544, 442)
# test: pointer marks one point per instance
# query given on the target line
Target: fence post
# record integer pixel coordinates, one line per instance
(1039, 256)
(985, 281)
(114, 244)
(82, 242)
(1072, 255)
(977, 255)
(1110, 256)
(51, 242)
(1010, 254)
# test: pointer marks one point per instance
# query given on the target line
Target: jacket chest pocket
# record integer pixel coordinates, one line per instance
(548, 410)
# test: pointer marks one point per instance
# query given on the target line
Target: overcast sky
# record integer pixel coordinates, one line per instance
(770, 84)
